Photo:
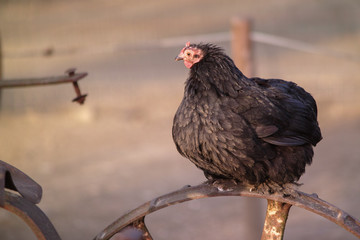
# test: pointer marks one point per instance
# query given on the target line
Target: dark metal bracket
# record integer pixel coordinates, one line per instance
(14, 179)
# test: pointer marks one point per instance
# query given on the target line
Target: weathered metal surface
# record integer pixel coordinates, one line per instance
(23, 205)
(14, 179)
(31, 215)
(275, 220)
(309, 202)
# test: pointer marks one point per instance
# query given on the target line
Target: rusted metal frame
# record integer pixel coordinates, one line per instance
(36, 219)
(309, 202)
(23, 203)
(71, 77)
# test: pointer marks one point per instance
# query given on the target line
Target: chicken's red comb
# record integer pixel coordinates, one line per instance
(186, 46)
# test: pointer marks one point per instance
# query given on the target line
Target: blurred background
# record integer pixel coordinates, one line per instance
(99, 160)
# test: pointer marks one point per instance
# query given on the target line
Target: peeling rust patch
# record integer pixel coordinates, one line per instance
(275, 220)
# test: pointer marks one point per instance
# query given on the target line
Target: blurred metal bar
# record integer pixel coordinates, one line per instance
(41, 81)
(258, 37)
(71, 77)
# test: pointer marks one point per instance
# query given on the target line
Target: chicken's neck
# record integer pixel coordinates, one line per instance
(218, 74)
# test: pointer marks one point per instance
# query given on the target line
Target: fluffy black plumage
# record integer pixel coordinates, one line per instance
(251, 130)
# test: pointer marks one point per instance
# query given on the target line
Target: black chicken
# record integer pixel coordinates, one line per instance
(251, 130)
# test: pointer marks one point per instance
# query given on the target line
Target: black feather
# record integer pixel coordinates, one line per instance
(248, 129)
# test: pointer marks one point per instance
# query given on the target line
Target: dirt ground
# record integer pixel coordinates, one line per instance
(99, 160)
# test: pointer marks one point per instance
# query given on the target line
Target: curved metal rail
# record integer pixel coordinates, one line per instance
(135, 218)
(131, 226)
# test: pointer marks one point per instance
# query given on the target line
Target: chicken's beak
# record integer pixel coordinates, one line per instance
(179, 57)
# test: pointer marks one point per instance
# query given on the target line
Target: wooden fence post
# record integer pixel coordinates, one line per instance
(241, 45)
(1, 70)
(242, 56)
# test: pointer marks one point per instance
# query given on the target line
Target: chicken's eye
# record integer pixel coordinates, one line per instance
(188, 54)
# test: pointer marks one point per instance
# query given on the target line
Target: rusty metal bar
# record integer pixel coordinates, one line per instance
(41, 81)
(306, 201)
(71, 77)
(275, 220)
(80, 98)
